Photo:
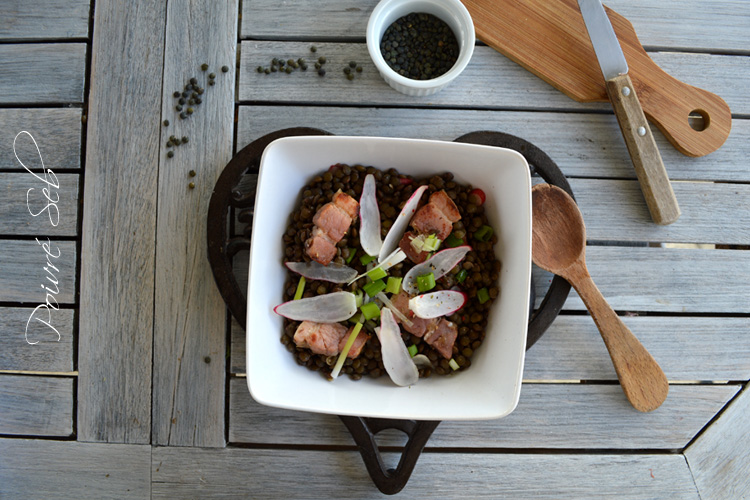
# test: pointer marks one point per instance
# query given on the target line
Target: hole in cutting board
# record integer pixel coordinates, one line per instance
(699, 120)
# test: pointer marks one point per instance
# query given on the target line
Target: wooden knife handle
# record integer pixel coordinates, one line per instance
(652, 175)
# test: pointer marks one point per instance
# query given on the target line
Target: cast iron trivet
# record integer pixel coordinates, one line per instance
(232, 194)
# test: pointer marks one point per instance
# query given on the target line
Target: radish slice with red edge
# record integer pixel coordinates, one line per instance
(369, 218)
(439, 265)
(436, 304)
(328, 308)
(399, 225)
(396, 358)
(335, 273)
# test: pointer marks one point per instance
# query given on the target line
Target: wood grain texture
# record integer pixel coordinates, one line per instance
(672, 24)
(189, 317)
(44, 19)
(560, 416)
(57, 132)
(582, 145)
(39, 406)
(119, 223)
(714, 458)
(257, 473)
(490, 81)
(56, 76)
(23, 272)
(49, 353)
(26, 210)
(72, 470)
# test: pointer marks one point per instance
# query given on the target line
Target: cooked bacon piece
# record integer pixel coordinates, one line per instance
(320, 247)
(443, 202)
(332, 222)
(430, 220)
(414, 256)
(419, 326)
(359, 343)
(320, 338)
(443, 337)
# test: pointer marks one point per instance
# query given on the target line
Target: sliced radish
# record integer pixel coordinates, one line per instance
(328, 308)
(394, 258)
(369, 218)
(421, 361)
(439, 265)
(335, 273)
(396, 358)
(436, 304)
(399, 225)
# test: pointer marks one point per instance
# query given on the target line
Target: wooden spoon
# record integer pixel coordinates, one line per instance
(559, 246)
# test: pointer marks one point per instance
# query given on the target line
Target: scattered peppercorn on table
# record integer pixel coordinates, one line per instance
(122, 375)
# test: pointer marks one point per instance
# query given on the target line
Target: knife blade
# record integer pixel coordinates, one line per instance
(649, 167)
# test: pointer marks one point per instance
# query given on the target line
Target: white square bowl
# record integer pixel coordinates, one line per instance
(490, 388)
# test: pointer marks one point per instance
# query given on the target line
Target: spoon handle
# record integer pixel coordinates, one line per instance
(641, 377)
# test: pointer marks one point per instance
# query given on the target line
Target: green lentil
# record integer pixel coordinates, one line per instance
(191, 173)
(166, 123)
(322, 60)
(225, 69)
(178, 108)
(352, 64)
(170, 154)
(191, 185)
(204, 67)
(321, 72)
(313, 48)
(185, 139)
(212, 75)
(193, 81)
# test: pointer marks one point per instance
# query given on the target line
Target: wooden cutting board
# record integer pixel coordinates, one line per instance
(549, 38)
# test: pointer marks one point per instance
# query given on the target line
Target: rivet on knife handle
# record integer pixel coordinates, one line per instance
(652, 175)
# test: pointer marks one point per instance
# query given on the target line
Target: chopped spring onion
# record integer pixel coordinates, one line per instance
(394, 258)
(439, 264)
(431, 243)
(300, 288)
(347, 347)
(352, 252)
(461, 275)
(377, 273)
(366, 259)
(358, 297)
(370, 310)
(387, 303)
(393, 285)
(451, 241)
(426, 282)
(374, 287)
(483, 295)
(452, 363)
(417, 242)
(413, 350)
(484, 233)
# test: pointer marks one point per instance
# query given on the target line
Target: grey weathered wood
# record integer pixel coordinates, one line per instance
(119, 223)
(258, 473)
(42, 73)
(39, 406)
(582, 145)
(718, 458)
(19, 207)
(673, 24)
(72, 470)
(490, 81)
(189, 316)
(563, 416)
(49, 352)
(23, 271)
(56, 131)
(694, 349)
(44, 19)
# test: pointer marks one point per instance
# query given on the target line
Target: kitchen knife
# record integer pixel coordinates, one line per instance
(649, 168)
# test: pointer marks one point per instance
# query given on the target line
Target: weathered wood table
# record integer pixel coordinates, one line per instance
(121, 374)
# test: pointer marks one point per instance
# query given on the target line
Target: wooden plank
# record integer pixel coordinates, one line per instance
(71, 470)
(671, 24)
(27, 266)
(490, 81)
(44, 19)
(38, 348)
(57, 133)
(561, 416)
(697, 348)
(119, 223)
(582, 145)
(190, 324)
(25, 212)
(36, 406)
(256, 473)
(42, 73)
(718, 459)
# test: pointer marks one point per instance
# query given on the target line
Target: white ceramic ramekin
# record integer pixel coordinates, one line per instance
(452, 12)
